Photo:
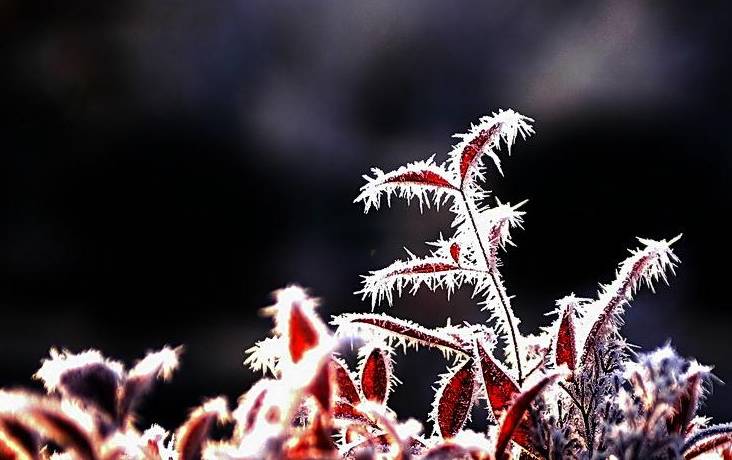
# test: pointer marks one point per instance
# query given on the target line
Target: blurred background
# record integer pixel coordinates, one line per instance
(168, 164)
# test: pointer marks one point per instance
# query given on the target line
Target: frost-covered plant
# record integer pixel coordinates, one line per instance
(89, 412)
(575, 390)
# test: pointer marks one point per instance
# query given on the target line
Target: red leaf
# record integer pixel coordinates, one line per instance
(18, 441)
(632, 278)
(685, 407)
(512, 421)
(302, 334)
(95, 383)
(251, 415)
(39, 417)
(375, 376)
(472, 151)
(431, 267)
(416, 446)
(9, 452)
(355, 432)
(455, 252)
(345, 387)
(425, 177)
(63, 430)
(524, 437)
(406, 329)
(566, 352)
(707, 445)
(345, 411)
(314, 442)
(140, 380)
(194, 433)
(456, 400)
(499, 385)
(707, 439)
(321, 385)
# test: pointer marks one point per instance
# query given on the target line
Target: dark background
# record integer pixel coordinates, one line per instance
(168, 164)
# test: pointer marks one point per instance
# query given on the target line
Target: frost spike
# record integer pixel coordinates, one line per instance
(515, 414)
(454, 400)
(265, 355)
(499, 386)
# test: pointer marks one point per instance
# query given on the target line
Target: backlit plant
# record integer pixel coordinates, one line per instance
(574, 390)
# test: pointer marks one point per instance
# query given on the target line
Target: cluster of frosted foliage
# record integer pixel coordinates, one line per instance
(596, 401)
(571, 390)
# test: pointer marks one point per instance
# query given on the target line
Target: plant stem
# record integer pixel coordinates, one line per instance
(502, 297)
(585, 418)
